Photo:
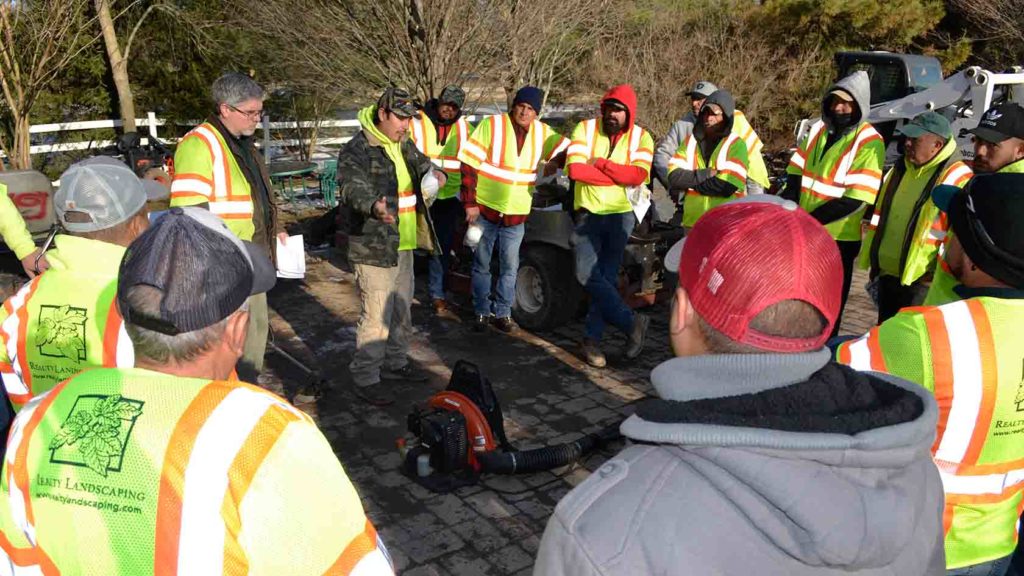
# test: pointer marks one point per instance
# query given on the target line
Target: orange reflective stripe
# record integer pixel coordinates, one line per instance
(194, 176)
(110, 332)
(19, 468)
(942, 367)
(172, 477)
(360, 546)
(26, 557)
(989, 381)
(26, 373)
(875, 347)
(240, 475)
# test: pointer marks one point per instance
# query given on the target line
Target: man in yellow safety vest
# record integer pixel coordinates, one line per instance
(609, 156)
(499, 169)
(65, 320)
(836, 170)
(970, 354)
(906, 229)
(439, 131)
(998, 148)
(217, 167)
(169, 467)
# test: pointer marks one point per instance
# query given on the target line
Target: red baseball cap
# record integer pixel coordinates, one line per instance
(746, 255)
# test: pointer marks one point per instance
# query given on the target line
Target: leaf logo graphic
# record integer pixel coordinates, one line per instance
(61, 332)
(95, 432)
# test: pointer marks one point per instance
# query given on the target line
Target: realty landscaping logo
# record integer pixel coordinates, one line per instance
(95, 433)
(61, 332)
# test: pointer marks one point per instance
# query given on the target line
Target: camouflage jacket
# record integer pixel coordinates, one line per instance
(366, 174)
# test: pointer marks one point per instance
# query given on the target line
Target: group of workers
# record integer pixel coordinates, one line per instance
(765, 451)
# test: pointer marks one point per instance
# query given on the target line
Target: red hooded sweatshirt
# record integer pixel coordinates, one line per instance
(604, 172)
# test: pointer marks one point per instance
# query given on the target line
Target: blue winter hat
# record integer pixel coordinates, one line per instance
(529, 95)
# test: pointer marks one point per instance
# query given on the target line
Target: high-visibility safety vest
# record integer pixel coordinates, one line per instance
(445, 155)
(634, 148)
(756, 168)
(506, 175)
(850, 168)
(129, 471)
(63, 321)
(914, 226)
(13, 229)
(729, 158)
(205, 170)
(970, 354)
(943, 281)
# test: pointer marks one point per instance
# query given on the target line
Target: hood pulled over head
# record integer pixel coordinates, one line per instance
(857, 85)
(624, 94)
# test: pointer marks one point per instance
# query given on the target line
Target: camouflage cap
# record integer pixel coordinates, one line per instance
(452, 94)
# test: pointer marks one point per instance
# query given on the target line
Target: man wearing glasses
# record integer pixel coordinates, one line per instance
(216, 167)
(970, 354)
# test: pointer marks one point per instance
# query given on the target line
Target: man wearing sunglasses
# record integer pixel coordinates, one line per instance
(383, 210)
(970, 354)
(216, 167)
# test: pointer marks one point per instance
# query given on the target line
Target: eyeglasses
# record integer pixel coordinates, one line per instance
(250, 114)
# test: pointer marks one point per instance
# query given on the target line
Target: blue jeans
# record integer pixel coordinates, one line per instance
(445, 215)
(508, 239)
(995, 567)
(600, 241)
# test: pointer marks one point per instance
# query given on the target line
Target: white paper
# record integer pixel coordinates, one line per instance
(291, 258)
(640, 199)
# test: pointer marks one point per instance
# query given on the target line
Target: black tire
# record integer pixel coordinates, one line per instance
(547, 293)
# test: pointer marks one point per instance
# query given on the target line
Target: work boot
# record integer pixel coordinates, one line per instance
(407, 373)
(505, 324)
(480, 323)
(440, 307)
(375, 394)
(591, 352)
(635, 343)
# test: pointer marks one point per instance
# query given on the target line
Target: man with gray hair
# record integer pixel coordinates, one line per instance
(217, 168)
(199, 474)
(65, 321)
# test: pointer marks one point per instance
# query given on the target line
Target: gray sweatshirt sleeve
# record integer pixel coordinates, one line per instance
(667, 147)
(560, 554)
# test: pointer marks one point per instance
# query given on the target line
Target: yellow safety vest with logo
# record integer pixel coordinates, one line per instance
(927, 231)
(205, 171)
(970, 354)
(506, 175)
(850, 168)
(63, 321)
(756, 169)
(444, 154)
(635, 148)
(13, 229)
(943, 281)
(129, 471)
(730, 160)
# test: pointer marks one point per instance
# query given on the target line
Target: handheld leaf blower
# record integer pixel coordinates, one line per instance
(461, 434)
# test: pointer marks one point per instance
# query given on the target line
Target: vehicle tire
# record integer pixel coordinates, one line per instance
(547, 293)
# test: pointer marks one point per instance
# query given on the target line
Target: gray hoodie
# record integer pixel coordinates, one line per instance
(857, 85)
(711, 498)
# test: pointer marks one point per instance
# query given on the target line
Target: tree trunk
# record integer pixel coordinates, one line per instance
(21, 159)
(118, 65)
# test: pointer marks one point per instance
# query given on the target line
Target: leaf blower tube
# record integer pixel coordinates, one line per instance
(540, 459)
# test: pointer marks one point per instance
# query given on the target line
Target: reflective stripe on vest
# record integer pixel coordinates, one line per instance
(696, 204)
(424, 136)
(220, 190)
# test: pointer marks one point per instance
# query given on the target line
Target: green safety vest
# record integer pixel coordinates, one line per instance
(505, 174)
(406, 192)
(729, 158)
(756, 170)
(63, 321)
(444, 154)
(633, 148)
(130, 471)
(912, 225)
(850, 168)
(13, 229)
(970, 354)
(943, 281)
(205, 171)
